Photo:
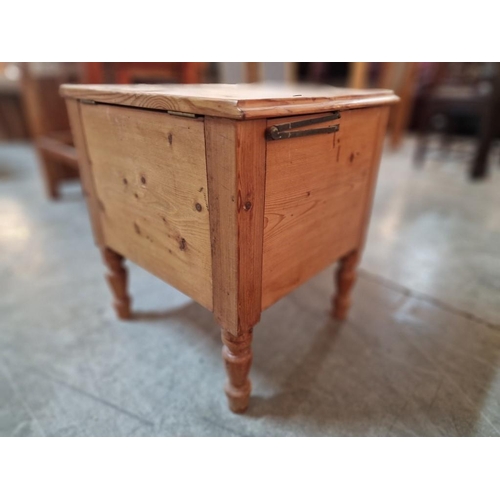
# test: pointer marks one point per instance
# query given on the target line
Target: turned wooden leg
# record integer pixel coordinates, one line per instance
(117, 281)
(50, 175)
(346, 277)
(237, 355)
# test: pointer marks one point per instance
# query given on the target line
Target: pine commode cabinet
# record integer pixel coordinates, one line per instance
(233, 194)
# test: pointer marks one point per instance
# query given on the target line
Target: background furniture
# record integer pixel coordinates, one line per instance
(459, 100)
(229, 194)
(12, 121)
(255, 72)
(144, 72)
(48, 121)
(489, 128)
(402, 78)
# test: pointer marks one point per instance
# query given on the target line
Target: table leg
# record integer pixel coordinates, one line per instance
(346, 277)
(117, 281)
(50, 174)
(237, 355)
(423, 132)
(488, 130)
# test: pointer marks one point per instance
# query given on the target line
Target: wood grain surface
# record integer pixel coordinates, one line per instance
(236, 177)
(151, 186)
(317, 189)
(240, 101)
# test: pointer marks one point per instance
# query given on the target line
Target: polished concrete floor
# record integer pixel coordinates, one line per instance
(419, 355)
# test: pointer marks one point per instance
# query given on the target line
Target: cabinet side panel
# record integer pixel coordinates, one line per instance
(150, 178)
(84, 167)
(317, 191)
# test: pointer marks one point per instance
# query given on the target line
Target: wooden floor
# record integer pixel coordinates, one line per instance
(419, 355)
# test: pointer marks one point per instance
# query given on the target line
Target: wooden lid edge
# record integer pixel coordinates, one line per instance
(241, 109)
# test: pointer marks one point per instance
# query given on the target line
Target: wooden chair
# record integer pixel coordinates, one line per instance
(452, 103)
(402, 78)
(48, 121)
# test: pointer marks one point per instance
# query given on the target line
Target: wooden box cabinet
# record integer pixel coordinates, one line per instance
(233, 194)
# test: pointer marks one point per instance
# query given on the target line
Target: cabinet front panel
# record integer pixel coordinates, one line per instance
(317, 193)
(149, 171)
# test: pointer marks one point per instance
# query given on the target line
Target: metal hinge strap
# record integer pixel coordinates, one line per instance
(182, 113)
(281, 131)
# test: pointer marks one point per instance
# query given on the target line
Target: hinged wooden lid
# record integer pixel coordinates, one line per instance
(239, 102)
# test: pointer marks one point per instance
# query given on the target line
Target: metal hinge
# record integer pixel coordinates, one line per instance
(87, 101)
(181, 113)
(277, 132)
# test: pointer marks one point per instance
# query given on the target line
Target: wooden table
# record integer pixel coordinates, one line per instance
(233, 194)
